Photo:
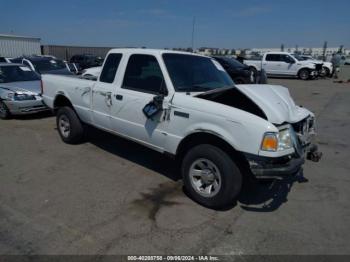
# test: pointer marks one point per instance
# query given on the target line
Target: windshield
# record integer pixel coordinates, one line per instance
(10, 74)
(48, 65)
(233, 62)
(191, 73)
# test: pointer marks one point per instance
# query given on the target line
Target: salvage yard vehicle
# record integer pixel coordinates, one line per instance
(240, 73)
(186, 106)
(44, 64)
(87, 60)
(325, 68)
(91, 73)
(20, 91)
(5, 60)
(284, 64)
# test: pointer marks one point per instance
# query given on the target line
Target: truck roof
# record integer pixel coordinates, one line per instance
(150, 51)
(278, 53)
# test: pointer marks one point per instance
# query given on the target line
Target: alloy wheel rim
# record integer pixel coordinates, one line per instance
(205, 177)
(304, 75)
(64, 126)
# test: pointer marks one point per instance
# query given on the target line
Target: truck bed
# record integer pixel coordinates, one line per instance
(70, 86)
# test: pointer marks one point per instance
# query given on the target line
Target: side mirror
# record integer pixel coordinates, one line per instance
(153, 107)
(290, 60)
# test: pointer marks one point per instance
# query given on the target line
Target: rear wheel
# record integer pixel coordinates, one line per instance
(239, 81)
(254, 72)
(304, 74)
(69, 126)
(327, 72)
(4, 111)
(210, 176)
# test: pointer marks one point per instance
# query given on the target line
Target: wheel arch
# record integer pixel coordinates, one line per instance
(211, 138)
(304, 68)
(61, 100)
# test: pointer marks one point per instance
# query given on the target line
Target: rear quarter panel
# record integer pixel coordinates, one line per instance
(76, 90)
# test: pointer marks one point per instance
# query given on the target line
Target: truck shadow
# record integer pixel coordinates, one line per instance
(256, 196)
(267, 195)
(134, 152)
(40, 115)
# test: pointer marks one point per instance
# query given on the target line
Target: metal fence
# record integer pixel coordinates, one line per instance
(15, 46)
(66, 52)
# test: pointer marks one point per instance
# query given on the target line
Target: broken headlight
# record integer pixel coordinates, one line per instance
(278, 141)
(20, 97)
(285, 139)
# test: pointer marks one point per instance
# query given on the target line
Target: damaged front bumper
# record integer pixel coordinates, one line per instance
(262, 166)
(303, 133)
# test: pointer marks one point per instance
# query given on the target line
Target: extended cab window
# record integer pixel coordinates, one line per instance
(273, 58)
(143, 74)
(110, 68)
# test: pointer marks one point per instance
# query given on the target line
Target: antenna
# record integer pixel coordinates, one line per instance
(193, 25)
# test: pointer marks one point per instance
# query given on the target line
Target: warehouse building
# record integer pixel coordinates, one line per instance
(15, 46)
(66, 52)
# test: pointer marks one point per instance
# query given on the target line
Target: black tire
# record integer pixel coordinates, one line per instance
(76, 131)
(4, 111)
(327, 72)
(230, 176)
(239, 81)
(304, 74)
(255, 72)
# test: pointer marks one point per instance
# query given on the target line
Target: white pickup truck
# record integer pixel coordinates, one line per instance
(186, 106)
(284, 64)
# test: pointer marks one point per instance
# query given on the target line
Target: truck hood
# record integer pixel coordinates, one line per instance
(276, 102)
(25, 86)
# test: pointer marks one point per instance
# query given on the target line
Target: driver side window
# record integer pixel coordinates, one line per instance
(143, 74)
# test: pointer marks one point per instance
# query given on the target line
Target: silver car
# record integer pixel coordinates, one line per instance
(20, 91)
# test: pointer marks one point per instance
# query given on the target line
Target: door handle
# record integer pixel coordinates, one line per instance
(119, 97)
(109, 98)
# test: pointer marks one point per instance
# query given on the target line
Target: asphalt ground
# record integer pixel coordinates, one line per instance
(112, 196)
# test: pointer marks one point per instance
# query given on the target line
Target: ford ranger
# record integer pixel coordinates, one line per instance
(185, 105)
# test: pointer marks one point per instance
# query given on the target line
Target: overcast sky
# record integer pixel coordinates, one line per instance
(168, 23)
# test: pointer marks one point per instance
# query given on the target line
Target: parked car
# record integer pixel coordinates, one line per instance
(44, 64)
(87, 61)
(186, 106)
(5, 60)
(239, 73)
(91, 73)
(20, 91)
(284, 64)
(326, 67)
(72, 67)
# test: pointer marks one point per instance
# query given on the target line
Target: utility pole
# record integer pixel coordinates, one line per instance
(282, 48)
(324, 50)
(193, 25)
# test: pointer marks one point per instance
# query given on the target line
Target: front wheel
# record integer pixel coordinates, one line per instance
(69, 125)
(210, 176)
(4, 111)
(304, 74)
(327, 72)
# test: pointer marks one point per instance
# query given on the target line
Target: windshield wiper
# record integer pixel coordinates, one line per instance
(217, 90)
(193, 88)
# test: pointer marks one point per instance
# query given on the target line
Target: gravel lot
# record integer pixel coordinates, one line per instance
(111, 196)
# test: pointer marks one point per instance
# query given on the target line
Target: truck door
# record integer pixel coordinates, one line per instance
(272, 64)
(288, 65)
(102, 101)
(143, 80)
